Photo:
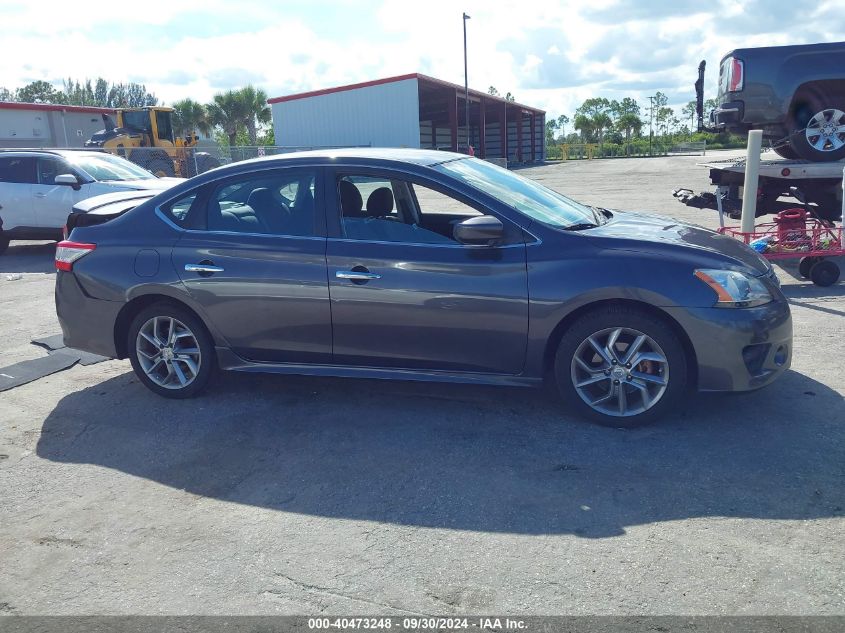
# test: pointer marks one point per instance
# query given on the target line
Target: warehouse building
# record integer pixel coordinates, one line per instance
(410, 111)
(48, 125)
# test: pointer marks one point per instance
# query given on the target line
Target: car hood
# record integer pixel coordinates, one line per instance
(640, 231)
(122, 198)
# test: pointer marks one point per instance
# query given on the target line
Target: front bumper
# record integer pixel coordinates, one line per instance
(87, 323)
(738, 349)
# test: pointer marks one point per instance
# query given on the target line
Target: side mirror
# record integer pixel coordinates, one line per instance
(67, 179)
(483, 230)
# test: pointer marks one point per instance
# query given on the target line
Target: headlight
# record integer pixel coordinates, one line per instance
(734, 289)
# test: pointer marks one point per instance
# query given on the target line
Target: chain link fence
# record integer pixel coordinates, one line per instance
(186, 162)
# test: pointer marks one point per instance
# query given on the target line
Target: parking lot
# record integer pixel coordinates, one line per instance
(276, 494)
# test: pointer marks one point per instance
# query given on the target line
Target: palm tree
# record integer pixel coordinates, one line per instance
(628, 123)
(601, 122)
(228, 111)
(190, 116)
(584, 124)
(257, 110)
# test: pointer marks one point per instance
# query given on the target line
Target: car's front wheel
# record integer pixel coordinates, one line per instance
(171, 351)
(621, 366)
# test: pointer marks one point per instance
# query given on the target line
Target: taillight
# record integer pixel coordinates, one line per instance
(69, 252)
(737, 78)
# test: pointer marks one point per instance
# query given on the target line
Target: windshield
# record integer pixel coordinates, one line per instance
(106, 167)
(524, 195)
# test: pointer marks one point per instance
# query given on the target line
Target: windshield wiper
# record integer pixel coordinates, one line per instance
(580, 226)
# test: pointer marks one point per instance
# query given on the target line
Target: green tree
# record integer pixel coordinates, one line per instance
(584, 125)
(138, 96)
(597, 111)
(190, 116)
(551, 127)
(38, 92)
(492, 91)
(510, 97)
(101, 92)
(629, 123)
(256, 111)
(6, 94)
(562, 122)
(228, 111)
(688, 112)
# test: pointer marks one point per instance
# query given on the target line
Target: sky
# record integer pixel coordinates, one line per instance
(551, 55)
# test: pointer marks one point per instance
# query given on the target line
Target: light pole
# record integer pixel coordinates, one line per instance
(466, 81)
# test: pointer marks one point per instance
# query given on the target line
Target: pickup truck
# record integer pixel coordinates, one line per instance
(795, 94)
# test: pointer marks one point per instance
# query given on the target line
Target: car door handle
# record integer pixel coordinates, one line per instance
(40, 195)
(203, 268)
(356, 275)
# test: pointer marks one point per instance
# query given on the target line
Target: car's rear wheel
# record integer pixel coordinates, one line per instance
(621, 366)
(819, 128)
(170, 351)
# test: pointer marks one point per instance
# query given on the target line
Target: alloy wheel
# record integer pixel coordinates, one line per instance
(620, 372)
(825, 131)
(168, 352)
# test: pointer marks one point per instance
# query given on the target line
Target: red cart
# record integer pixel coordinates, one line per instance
(797, 234)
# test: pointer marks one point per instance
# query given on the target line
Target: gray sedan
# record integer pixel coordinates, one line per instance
(420, 265)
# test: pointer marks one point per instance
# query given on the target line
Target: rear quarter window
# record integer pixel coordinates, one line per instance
(179, 211)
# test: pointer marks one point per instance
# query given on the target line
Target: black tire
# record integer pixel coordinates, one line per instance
(786, 151)
(824, 273)
(207, 359)
(200, 163)
(806, 264)
(612, 317)
(156, 162)
(805, 111)
(160, 167)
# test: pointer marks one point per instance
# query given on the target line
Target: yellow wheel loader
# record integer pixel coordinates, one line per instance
(145, 136)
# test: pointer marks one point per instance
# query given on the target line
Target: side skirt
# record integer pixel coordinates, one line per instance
(230, 361)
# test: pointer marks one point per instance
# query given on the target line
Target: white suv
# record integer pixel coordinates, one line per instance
(38, 188)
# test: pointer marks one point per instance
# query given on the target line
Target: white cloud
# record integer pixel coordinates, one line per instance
(552, 55)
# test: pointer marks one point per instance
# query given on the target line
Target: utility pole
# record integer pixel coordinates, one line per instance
(650, 116)
(466, 81)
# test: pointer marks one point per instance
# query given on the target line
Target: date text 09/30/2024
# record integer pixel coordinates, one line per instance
(416, 623)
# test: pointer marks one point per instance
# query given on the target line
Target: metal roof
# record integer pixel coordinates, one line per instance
(418, 76)
(55, 107)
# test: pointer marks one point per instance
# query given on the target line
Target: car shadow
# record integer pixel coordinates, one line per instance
(464, 457)
(808, 295)
(28, 257)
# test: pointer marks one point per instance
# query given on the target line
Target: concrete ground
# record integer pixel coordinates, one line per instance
(305, 495)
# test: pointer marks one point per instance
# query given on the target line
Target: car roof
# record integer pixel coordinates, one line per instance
(425, 157)
(26, 151)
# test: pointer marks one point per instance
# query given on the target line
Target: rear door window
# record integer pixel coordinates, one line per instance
(20, 169)
(280, 203)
